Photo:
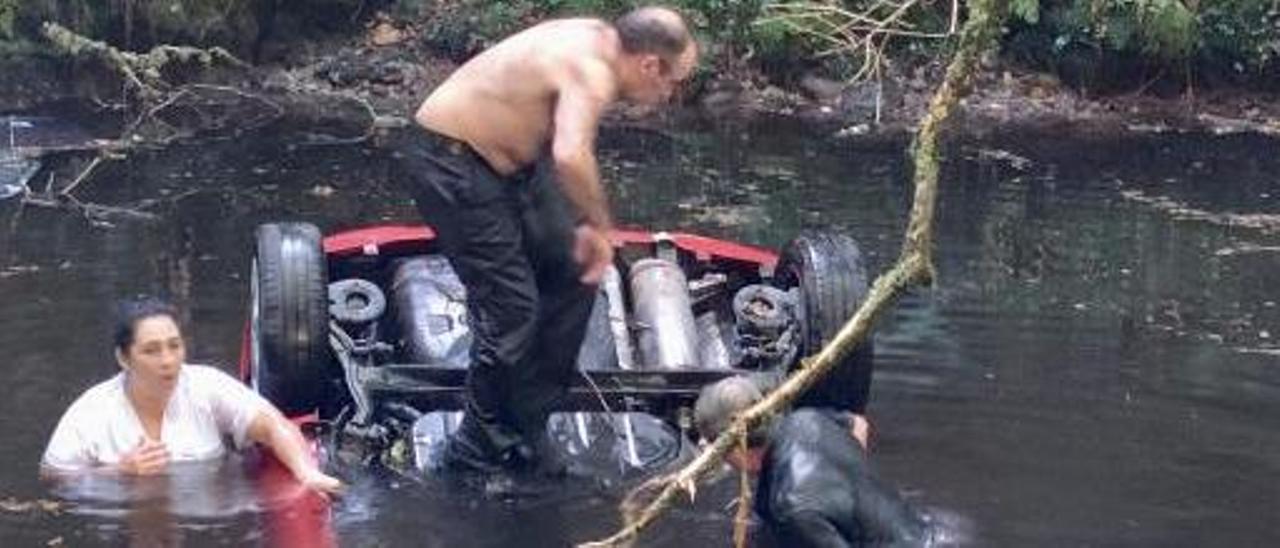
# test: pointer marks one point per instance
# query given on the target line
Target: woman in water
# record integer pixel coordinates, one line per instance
(159, 410)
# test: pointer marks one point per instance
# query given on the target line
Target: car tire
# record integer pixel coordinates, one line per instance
(828, 272)
(290, 359)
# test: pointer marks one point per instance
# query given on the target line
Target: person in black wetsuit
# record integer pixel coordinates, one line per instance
(815, 486)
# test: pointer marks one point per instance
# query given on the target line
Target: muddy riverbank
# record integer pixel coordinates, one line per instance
(345, 82)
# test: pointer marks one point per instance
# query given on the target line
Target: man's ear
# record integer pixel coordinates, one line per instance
(124, 364)
(651, 65)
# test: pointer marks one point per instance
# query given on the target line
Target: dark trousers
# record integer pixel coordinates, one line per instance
(510, 239)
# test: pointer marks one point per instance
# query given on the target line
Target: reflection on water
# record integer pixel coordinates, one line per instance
(607, 447)
(193, 490)
(233, 500)
(1096, 364)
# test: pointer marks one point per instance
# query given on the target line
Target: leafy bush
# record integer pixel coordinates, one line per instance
(8, 11)
(137, 24)
(733, 32)
(1240, 36)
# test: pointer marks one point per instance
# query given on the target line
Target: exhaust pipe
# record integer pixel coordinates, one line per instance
(612, 284)
(668, 335)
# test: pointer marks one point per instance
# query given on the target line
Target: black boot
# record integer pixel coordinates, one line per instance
(469, 450)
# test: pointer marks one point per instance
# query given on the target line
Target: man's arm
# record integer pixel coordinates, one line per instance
(585, 89)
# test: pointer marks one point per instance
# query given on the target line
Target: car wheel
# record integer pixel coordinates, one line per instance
(829, 274)
(290, 358)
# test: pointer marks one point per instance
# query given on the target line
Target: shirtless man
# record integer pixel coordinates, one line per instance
(502, 165)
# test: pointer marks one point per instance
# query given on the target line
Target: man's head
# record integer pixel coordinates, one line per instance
(716, 408)
(658, 53)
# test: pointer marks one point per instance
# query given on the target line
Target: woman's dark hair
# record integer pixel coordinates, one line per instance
(132, 310)
(654, 30)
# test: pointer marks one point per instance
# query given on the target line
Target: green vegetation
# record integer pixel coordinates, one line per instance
(1233, 39)
(141, 24)
(8, 10)
(1089, 42)
(1117, 40)
(737, 32)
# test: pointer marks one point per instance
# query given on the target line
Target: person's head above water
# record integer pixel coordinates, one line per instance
(718, 404)
(148, 342)
(139, 422)
(129, 312)
(658, 53)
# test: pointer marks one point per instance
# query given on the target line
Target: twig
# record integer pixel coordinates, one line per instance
(369, 130)
(15, 222)
(153, 111)
(89, 210)
(84, 174)
(149, 203)
(742, 517)
(914, 266)
(865, 33)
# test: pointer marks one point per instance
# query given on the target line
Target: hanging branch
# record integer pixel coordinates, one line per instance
(849, 33)
(154, 98)
(914, 266)
(141, 70)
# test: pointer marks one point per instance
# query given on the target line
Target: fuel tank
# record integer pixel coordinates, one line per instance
(431, 310)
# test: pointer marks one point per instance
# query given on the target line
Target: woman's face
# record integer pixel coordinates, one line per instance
(157, 352)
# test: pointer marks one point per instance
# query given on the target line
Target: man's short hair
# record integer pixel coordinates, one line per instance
(719, 402)
(656, 30)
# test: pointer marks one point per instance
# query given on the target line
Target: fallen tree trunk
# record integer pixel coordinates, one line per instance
(914, 266)
(141, 70)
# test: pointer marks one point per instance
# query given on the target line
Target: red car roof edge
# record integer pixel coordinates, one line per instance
(355, 241)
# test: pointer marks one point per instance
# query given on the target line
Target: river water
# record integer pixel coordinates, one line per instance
(1098, 363)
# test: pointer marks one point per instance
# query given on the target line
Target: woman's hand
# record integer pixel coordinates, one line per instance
(149, 457)
(594, 251)
(321, 483)
(271, 429)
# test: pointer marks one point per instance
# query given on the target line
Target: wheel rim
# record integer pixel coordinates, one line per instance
(793, 281)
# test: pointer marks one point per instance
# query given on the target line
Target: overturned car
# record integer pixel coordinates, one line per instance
(366, 330)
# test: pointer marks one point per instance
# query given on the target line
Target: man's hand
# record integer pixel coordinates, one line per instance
(149, 457)
(860, 428)
(593, 250)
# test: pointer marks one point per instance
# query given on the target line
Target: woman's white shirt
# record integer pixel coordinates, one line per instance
(206, 405)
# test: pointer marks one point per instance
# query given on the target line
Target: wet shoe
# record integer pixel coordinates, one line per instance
(461, 455)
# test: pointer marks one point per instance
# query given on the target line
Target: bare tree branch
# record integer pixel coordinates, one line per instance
(863, 33)
(142, 70)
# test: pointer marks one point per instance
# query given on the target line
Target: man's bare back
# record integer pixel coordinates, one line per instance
(503, 101)
(542, 92)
